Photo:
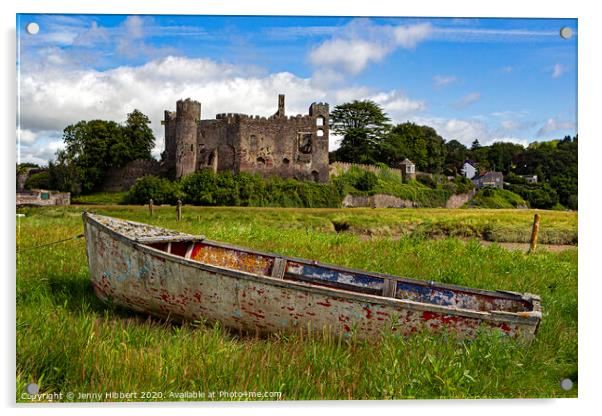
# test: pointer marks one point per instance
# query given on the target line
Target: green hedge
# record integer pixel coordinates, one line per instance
(225, 189)
(496, 198)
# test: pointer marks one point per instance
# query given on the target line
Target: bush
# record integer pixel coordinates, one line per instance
(426, 180)
(39, 180)
(360, 179)
(538, 195)
(496, 198)
(160, 190)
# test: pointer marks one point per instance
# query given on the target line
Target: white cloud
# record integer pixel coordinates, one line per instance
(26, 136)
(397, 104)
(408, 36)
(553, 125)
(361, 42)
(558, 70)
(40, 152)
(510, 124)
(467, 100)
(350, 55)
(443, 80)
(75, 94)
(467, 130)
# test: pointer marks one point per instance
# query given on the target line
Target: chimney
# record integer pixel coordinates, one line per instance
(280, 112)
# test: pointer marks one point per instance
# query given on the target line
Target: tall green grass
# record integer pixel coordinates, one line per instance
(68, 341)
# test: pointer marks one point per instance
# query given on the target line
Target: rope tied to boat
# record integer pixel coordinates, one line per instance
(51, 243)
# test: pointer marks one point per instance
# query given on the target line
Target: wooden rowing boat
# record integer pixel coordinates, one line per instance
(180, 276)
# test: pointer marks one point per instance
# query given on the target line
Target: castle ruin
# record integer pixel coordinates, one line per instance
(279, 145)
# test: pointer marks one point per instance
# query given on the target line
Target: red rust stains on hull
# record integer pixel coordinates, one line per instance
(505, 327)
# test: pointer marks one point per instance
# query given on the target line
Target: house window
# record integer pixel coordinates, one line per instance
(45, 195)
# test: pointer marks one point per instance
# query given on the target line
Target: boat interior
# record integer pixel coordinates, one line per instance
(315, 274)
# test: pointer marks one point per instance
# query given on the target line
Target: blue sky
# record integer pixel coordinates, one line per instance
(487, 79)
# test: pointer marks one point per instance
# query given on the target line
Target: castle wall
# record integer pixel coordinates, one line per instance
(282, 146)
(170, 140)
(218, 139)
(289, 147)
(121, 179)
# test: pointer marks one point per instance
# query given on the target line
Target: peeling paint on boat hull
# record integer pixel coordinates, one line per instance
(148, 280)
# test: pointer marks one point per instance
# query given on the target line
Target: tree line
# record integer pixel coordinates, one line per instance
(94, 147)
(370, 138)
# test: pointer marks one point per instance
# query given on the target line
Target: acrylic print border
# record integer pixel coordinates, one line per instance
(583, 237)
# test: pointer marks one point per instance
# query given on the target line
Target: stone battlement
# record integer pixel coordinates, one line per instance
(233, 117)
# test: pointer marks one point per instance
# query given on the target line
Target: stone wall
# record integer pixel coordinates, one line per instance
(121, 179)
(377, 201)
(42, 197)
(457, 201)
(390, 201)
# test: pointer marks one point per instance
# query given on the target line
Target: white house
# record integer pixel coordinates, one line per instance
(469, 169)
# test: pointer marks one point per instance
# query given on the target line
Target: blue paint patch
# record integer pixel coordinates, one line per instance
(335, 276)
(433, 295)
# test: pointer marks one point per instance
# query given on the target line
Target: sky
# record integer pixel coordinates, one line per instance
(487, 79)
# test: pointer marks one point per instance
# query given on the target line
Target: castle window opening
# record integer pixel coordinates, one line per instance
(316, 175)
(260, 161)
(286, 161)
(305, 143)
(320, 133)
(320, 121)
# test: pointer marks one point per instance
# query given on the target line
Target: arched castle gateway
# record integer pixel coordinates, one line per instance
(280, 145)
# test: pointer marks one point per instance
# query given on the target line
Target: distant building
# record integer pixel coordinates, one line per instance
(493, 179)
(408, 170)
(529, 178)
(469, 169)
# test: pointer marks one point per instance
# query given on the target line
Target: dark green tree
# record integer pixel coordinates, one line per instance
(363, 125)
(93, 147)
(455, 155)
(420, 144)
(501, 155)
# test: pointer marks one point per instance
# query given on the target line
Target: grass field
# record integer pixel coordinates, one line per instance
(68, 341)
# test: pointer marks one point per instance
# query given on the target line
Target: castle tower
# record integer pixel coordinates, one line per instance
(188, 114)
(321, 118)
(280, 112)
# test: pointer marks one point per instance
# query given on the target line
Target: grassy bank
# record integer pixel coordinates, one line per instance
(68, 341)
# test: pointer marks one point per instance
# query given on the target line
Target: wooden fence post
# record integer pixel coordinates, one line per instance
(179, 211)
(534, 233)
(150, 207)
